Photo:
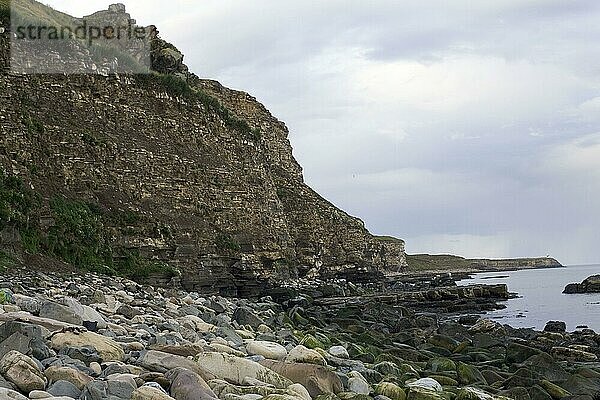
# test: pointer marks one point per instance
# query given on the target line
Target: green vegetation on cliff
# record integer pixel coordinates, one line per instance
(78, 235)
(177, 87)
(16, 203)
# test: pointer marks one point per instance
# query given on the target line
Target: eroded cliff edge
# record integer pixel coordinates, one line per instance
(196, 176)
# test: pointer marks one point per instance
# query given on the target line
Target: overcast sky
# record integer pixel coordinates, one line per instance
(465, 127)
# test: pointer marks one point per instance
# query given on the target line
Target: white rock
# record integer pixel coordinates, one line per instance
(339, 351)
(94, 366)
(85, 312)
(302, 354)
(244, 334)
(7, 394)
(40, 394)
(299, 390)
(270, 350)
(149, 393)
(427, 383)
(357, 383)
(221, 348)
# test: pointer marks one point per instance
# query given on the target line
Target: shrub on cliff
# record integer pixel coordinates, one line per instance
(16, 202)
(78, 235)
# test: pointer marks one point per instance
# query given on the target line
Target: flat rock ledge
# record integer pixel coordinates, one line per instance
(91, 337)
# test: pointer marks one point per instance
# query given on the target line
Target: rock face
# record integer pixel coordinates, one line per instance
(206, 174)
(589, 285)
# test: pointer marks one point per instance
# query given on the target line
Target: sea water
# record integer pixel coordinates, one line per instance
(540, 298)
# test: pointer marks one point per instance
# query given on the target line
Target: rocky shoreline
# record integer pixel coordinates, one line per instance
(92, 337)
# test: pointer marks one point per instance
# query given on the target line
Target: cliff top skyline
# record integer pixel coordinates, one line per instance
(468, 129)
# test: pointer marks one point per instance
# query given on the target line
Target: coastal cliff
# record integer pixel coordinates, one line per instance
(170, 173)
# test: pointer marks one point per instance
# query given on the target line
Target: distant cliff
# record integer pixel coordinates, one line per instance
(167, 172)
(428, 262)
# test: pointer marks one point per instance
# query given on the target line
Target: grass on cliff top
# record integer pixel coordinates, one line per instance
(33, 11)
(177, 87)
(389, 239)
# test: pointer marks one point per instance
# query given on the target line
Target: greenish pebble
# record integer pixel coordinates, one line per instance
(390, 390)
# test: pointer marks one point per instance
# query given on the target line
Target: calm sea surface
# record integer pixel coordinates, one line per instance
(541, 299)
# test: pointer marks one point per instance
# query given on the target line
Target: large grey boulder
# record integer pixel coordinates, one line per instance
(108, 390)
(59, 312)
(188, 385)
(24, 338)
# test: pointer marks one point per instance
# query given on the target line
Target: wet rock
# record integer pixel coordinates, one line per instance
(555, 391)
(468, 374)
(518, 353)
(545, 366)
(522, 378)
(441, 365)
(555, 326)
(589, 285)
(578, 384)
(417, 393)
(246, 316)
(538, 393)
(390, 390)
